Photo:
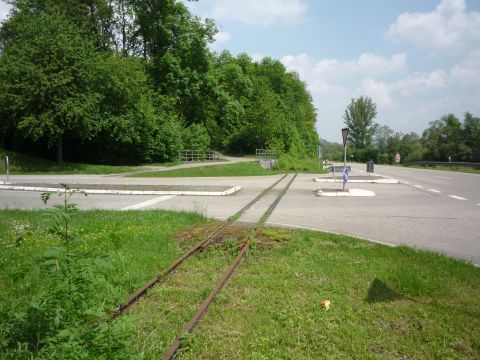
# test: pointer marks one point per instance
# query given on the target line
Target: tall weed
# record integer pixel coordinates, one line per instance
(66, 314)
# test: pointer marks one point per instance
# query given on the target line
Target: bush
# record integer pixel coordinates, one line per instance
(195, 137)
(366, 154)
(64, 313)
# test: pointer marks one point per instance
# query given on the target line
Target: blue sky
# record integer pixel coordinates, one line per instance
(417, 59)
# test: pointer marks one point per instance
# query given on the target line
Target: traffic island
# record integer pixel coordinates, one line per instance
(375, 179)
(344, 193)
(116, 189)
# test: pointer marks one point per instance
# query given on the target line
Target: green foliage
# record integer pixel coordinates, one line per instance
(134, 81)
(64, 315)
(449, 137)
(288, 162)
(365, 154)
(47, 79)
(196, 137)
(358, 118)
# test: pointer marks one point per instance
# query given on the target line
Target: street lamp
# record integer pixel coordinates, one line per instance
(345, 136)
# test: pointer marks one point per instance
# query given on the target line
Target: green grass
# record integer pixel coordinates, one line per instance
(385, 302)
(138, 243)
(236, 169)
(465, 169)
(21, 164)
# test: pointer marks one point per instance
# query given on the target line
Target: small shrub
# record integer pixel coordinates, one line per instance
(65, 314)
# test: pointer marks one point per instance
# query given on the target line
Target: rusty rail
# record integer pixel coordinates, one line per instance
(172, 350)
(198, 247)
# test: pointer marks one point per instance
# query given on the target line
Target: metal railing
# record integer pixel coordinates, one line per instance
(198, 155)
(264, 154)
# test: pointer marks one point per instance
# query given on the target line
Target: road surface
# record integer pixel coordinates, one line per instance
(428, 209)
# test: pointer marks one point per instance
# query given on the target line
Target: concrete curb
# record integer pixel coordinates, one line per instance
(126, 192)
(377, 181)
(349, 193)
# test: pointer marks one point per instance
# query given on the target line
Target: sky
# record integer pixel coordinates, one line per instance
(416, 59)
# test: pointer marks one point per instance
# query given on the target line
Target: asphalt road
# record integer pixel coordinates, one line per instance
(429, 209)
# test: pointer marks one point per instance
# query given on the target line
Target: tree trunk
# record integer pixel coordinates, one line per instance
(60, 150)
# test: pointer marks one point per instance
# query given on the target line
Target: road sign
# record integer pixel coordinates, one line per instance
(345, 135)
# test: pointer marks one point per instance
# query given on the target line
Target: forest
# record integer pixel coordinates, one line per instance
(134, 81)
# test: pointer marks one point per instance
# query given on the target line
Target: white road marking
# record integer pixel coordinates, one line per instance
(148, 203)
(435, 191)
(443, 177)
(404, 171)
(457, 197)
(406, 182)
(418, 186)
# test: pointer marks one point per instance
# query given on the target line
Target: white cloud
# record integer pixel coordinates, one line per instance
(4, 10)
(366, 65)
(379, 91)
(222, 37)
(405, 101)
(467, 71)
(258, 12)
(448, 27)
(420, 82)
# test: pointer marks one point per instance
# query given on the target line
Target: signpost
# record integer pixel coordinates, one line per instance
(7, 167)
(345, 136)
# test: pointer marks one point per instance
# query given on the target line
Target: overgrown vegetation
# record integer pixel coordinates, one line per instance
(120, 81)
(59, 284)
(385, 302)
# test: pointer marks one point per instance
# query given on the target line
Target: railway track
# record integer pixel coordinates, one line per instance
(200, 246)
(172, 350)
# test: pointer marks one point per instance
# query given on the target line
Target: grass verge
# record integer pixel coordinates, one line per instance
(22, 164)
(465, 169)
(238, 169)
(385, 302)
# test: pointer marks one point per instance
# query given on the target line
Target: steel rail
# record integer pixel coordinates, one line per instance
(172, 350)
(198, 247)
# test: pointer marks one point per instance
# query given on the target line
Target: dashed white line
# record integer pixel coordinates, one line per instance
(148, 203)
(443, 177)
(457, 197)
(404, 171)
(418, 186)
(435, 191)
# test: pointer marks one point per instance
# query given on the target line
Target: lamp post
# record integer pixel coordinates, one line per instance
(345, 136)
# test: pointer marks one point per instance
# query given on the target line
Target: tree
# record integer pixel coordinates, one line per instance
(446, 138)
(381, 137)
(472, 135)
(47, 83)
(359, 117)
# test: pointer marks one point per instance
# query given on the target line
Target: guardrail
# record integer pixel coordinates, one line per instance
(198, 155)
(441, 163)
(264, 154)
